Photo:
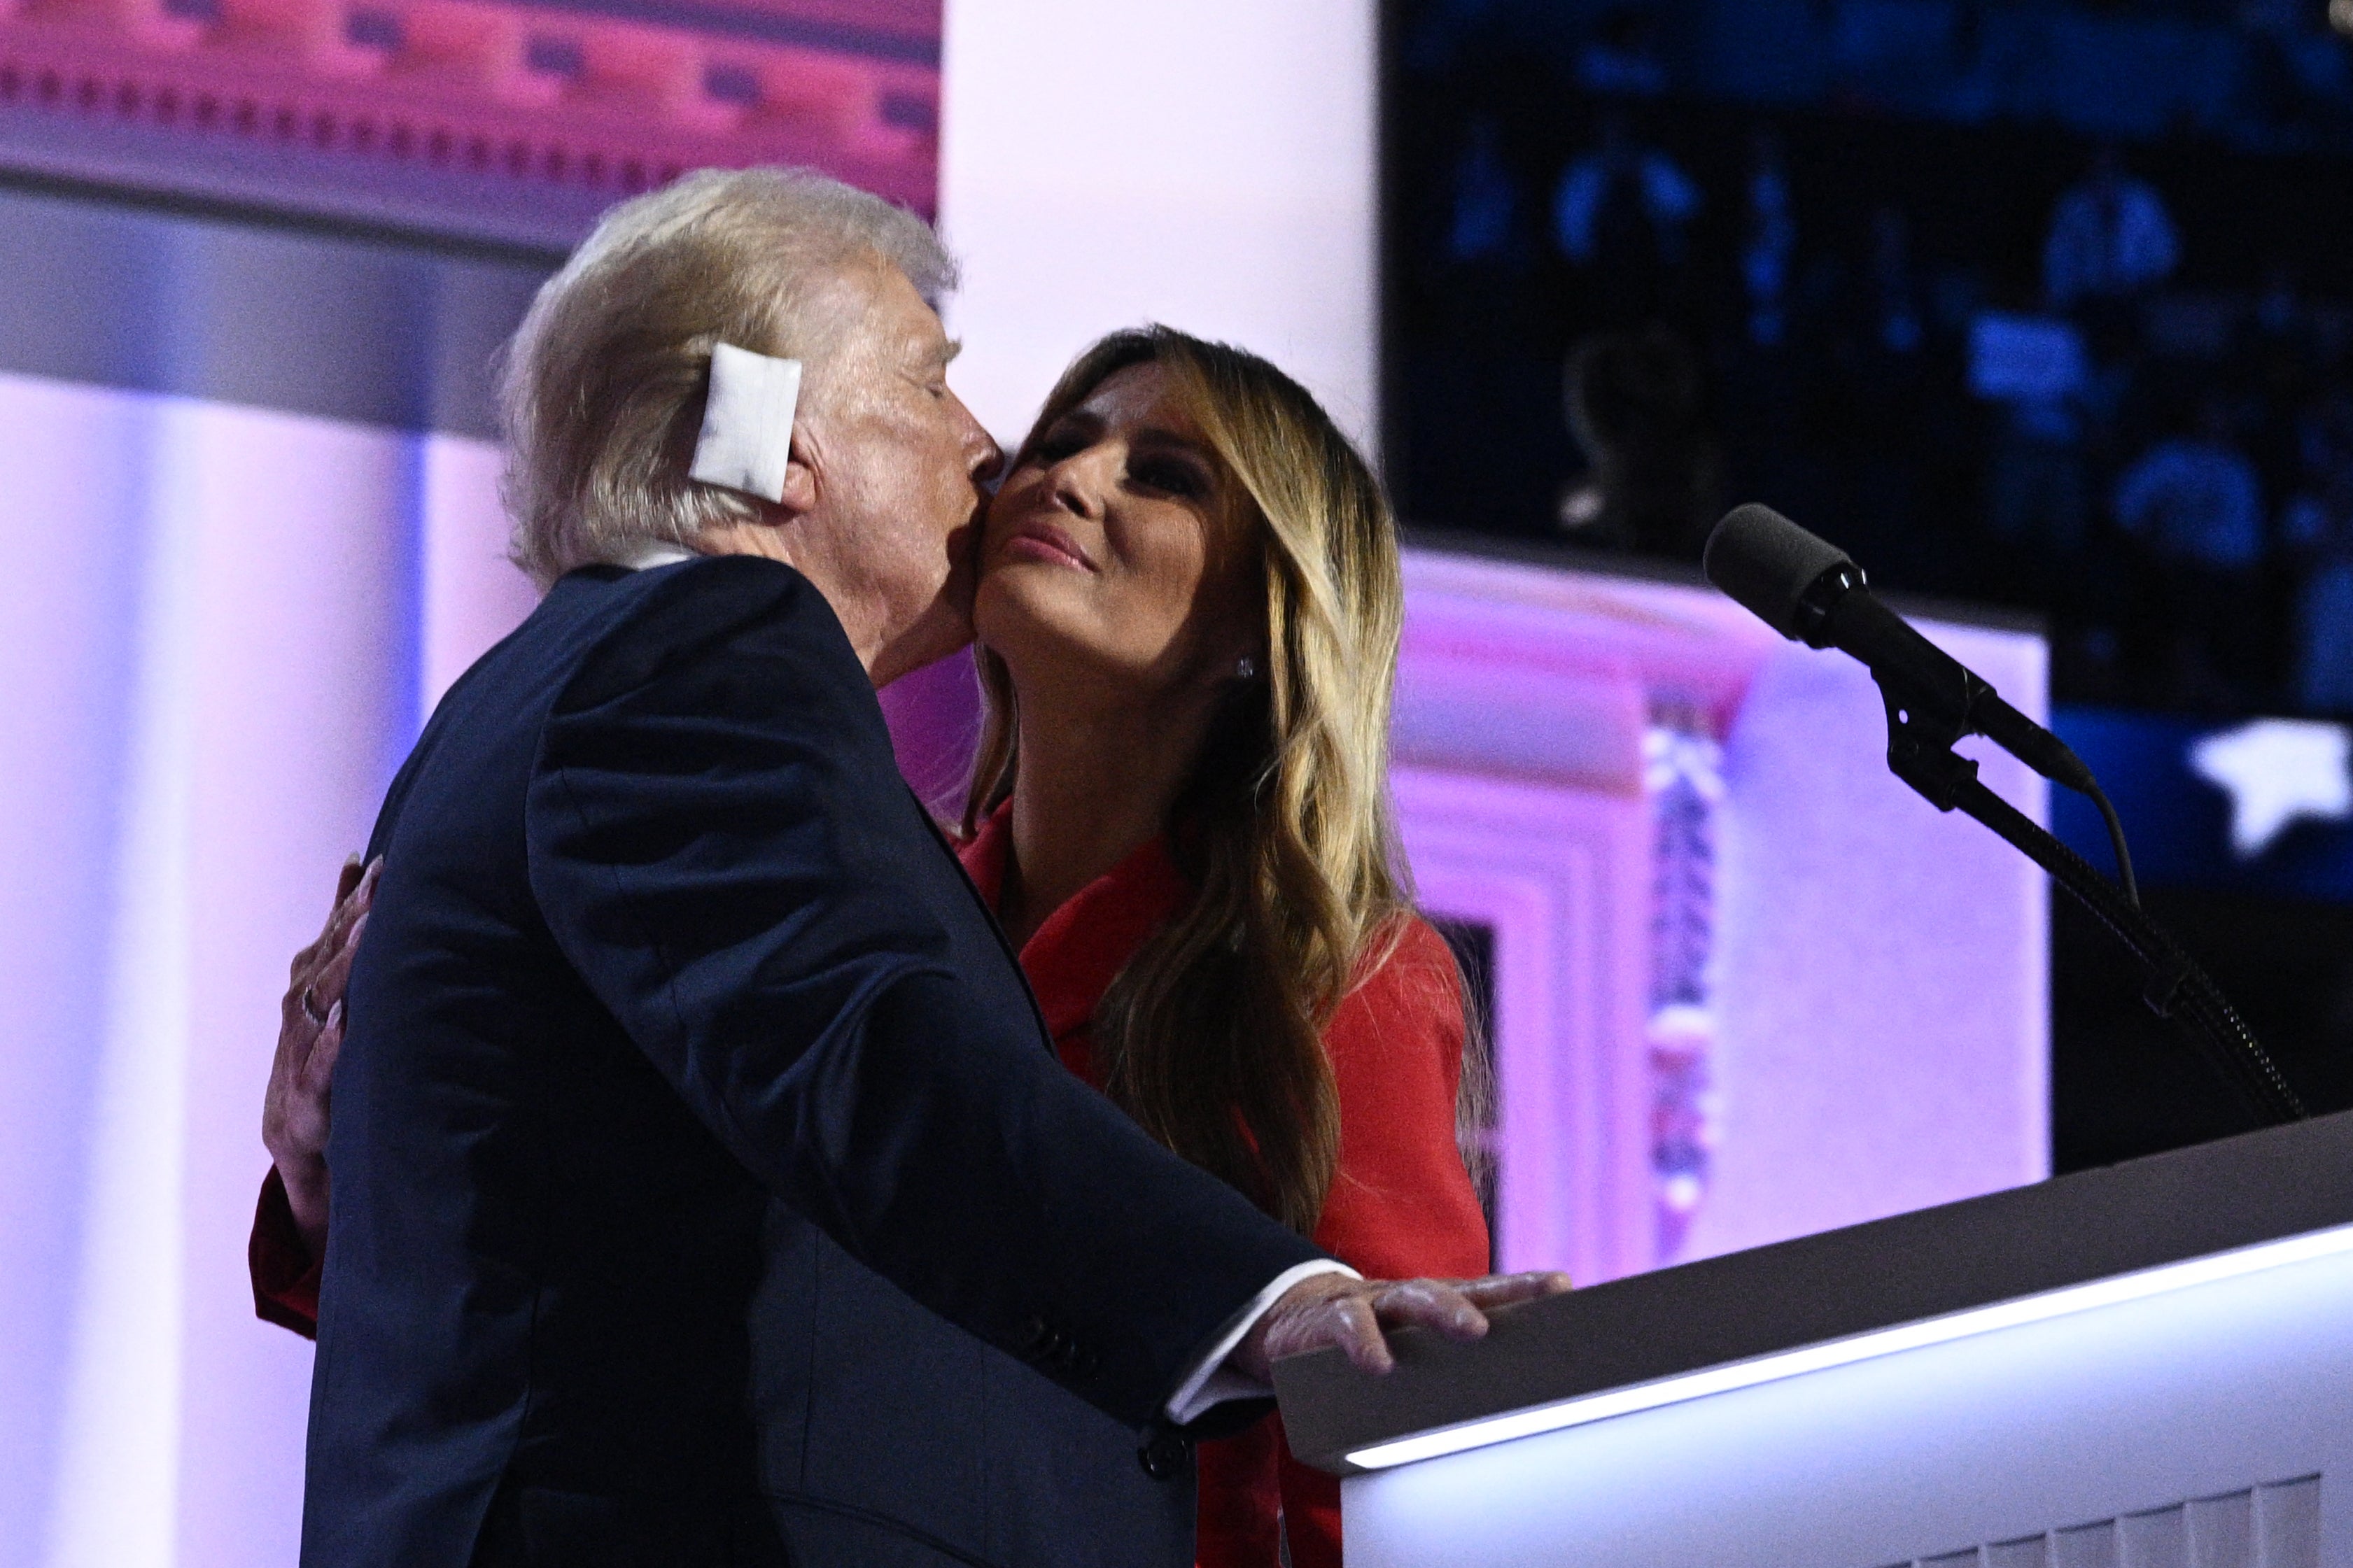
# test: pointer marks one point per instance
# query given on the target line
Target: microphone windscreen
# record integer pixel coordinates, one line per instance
(1764, 561)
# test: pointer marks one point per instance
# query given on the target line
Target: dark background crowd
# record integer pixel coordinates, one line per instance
(2045, 304)
(1938, 285)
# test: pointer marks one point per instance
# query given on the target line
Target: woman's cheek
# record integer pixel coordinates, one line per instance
(1021, 607)
(988, 605)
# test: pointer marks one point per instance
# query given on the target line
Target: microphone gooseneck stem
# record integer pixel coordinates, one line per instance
(2177, 987)
(1920, 752)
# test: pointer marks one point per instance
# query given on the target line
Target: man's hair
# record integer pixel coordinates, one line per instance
(602, 390)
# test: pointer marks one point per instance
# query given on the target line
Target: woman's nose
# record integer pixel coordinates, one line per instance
(1077, 483)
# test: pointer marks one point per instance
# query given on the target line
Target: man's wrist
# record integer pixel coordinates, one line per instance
(1212, 1381)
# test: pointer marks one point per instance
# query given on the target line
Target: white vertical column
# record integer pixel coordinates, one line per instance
(1209, 165)
(114, 1499)
(306, 701)
(75, 461)
(272, 635)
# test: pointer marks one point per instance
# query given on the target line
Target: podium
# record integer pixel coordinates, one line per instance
(2145, 1367)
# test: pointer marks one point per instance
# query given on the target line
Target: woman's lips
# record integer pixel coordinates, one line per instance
(1044, 541)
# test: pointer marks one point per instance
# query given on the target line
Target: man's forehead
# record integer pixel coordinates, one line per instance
(909, 324)
(916, 348)
(926, 348)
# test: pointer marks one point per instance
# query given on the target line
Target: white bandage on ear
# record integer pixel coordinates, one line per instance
(747, 422)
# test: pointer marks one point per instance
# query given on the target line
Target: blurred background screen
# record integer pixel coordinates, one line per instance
(2039, 304)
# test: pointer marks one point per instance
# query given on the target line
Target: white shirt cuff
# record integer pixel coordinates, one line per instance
(1212, 1382)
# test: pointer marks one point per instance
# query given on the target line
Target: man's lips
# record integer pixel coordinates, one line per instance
(1044, 541)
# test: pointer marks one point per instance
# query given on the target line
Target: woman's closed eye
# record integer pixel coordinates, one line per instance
(1171, 475)
(1055, 446)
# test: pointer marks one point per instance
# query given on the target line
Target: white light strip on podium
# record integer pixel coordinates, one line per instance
(2084, 1298)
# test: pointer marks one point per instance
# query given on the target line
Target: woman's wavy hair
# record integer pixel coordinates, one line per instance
(1212, 1037)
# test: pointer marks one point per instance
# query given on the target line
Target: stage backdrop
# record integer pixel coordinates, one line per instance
(1743, 983)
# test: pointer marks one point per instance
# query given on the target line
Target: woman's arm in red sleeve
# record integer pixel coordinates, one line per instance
(285, 1274)
(1402, 1206)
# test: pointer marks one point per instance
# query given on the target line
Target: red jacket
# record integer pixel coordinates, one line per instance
(1400, 1206)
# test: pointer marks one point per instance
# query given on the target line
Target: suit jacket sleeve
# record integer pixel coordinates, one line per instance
(718, 839)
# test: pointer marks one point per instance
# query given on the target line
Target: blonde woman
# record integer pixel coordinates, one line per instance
(1187, 617)
(1187, 611)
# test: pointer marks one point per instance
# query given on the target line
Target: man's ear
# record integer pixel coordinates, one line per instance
(801, 465)
(800, 486)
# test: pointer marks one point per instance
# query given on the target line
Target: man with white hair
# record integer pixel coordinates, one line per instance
(706, 1191)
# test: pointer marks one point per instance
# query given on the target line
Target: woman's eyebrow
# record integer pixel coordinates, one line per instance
(1079, 419)
(1159, 436)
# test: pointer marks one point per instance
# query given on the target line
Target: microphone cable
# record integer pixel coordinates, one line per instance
(2116, 842)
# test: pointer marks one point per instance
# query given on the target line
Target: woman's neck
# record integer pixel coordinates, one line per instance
(1097, 780)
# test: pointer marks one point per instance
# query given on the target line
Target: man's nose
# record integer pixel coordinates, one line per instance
(984, 459)
(987, 458)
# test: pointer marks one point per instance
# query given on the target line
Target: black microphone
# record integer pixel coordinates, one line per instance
(1809, 591)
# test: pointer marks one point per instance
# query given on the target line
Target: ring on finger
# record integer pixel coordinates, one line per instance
(311, 1008)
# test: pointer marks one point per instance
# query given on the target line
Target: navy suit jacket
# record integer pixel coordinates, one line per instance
(705, 1188)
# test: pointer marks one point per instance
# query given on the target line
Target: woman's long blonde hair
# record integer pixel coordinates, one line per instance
(1212, 1037)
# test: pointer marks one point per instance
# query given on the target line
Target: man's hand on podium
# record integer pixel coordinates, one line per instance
(1328, 1310)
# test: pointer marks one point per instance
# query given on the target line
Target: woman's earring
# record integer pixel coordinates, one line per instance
(1246, 669)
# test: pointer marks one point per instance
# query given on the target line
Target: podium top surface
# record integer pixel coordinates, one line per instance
(1774, 1310)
